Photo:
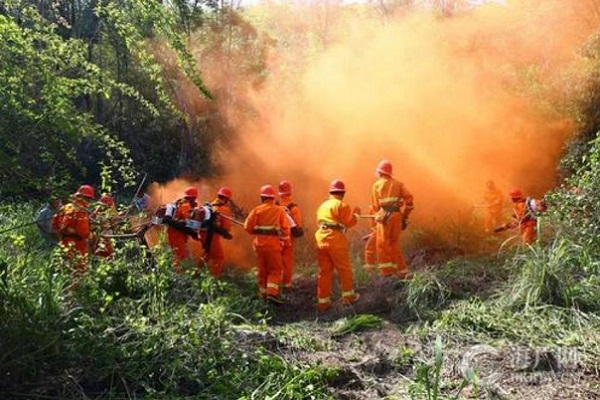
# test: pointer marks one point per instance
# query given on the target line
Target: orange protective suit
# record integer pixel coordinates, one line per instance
(287, 252)
(72, 222)
(371, 248)
(493, 200)
(176, 238)
(269, 223)
(214, 255)
(388, 196)
(526, 220)
(333, 218)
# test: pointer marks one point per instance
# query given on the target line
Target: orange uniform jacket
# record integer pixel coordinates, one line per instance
(270, 218)
(176, 238)
(388, 191)
(387, 198)
(72, 223)
(335, 213)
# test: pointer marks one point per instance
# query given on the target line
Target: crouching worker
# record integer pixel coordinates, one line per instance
(333, 218)
(526, 211)
(72, 223)
(269, 224)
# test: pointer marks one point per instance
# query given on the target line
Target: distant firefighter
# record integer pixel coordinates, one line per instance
(526, 211)
(333, 218)
(392, 203)
(295, 218)
(492, 203)
(269, 224)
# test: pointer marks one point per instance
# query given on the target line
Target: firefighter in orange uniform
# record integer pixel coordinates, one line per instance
(333, 218)
(215, 228)
(388, 198)
(72, 222)
(104, 215)
(295, 217)
(269, 223)
(175, 218)
(492, 201)
(371, 248)
(526, 210)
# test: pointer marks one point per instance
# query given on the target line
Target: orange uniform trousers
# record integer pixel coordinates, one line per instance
(330, 260)
(287, 255)
(390, 259)
(178, 242)
(528, 231)
(215, 256)
(270, 268)
(371, 252)
(76, 252)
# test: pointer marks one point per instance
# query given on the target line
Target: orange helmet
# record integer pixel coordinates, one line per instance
(337, 186)
(384, 167)
(107, 200)
(285, 187)
(191, 192)
(86, 191)
(267, 191)
(225, 191)
(515, 194)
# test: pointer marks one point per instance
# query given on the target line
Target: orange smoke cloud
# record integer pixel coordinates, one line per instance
(452, 102)
(447, 101)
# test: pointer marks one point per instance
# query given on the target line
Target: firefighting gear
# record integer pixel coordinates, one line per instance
(337, 186)
(526, 212)
(191, 192)
(393, 203)
(72, 222)
(212, 230)
(384, 167)
(515, 194)
(86, 191)
(295, 217)
(267, 191)
(269, 225)
(333, 218)
(226, 192)
(175, 218)
(107, 200)
(285, 188)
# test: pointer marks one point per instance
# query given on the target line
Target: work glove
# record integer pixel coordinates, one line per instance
(404, 223)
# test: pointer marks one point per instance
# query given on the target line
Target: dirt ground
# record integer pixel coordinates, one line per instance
(382, 363)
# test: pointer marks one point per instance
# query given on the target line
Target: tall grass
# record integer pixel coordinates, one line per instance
(131, 328)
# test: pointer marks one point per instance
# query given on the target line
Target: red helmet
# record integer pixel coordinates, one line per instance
(285, 187)
(267, 191)
(107, 200)
(86, 191)
(191, 192)
(337, 186)
(384, 167)
(225, 191)
(515, 194)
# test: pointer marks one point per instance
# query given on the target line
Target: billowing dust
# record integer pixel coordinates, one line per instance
(452, 102)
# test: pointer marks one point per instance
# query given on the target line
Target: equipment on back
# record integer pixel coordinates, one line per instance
(65, 221)
(295, 230)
